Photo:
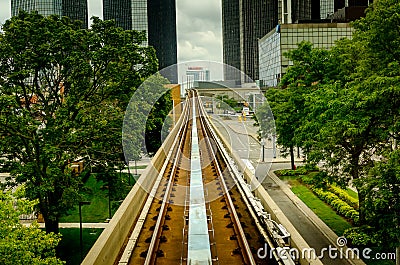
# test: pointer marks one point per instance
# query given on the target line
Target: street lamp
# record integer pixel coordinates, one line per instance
(80, 225)
(274, 145)
(262, 145)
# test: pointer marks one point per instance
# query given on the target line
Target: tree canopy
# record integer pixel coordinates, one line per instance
(21, 244)
(342, 107)
(63, 93)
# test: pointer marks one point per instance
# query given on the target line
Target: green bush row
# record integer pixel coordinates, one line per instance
(291, 172)
(338, 204)
(308, 180)
(358, 236)
(353, 202)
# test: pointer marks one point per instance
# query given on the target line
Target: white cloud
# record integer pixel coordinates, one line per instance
(5, 10)
(199, 30)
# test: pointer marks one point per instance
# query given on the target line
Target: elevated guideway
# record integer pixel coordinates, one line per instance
(194, 205)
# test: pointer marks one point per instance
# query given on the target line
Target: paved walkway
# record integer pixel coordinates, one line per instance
(315, 232)
(73, 225)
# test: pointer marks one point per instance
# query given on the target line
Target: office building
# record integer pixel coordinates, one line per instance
(273, 64)
(74, 9)
(194, 74)
(162, 35)
(320, 22)
(244, 22)
(158, 19)
(231, 39)
(127, 14)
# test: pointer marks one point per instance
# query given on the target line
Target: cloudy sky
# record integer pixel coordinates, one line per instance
(198, 25)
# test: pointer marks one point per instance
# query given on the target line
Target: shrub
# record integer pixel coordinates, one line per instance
(300, 171)
(311, 167)
(342, 194)
(358, 236)
(307, 180)
(336, 203)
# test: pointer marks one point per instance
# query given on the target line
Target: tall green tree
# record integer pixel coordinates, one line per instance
(63, 93)
(382, 203)
(21, 244)
(311, 68)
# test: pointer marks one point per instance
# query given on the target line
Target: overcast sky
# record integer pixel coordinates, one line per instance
(198, 25)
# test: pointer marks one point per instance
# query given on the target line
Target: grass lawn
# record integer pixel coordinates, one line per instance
(337, 223)
(69, 247)
(352, 193)
(139, 167)
(97, 211)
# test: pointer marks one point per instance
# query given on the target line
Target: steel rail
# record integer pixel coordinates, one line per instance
(155, 239)
(128, 251)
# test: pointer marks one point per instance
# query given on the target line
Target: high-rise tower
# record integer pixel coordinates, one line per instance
(158, 19)
(75, 9)
(244, 22)
(162, 35)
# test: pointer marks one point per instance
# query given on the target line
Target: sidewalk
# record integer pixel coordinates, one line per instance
(144, 161)
(73, 225)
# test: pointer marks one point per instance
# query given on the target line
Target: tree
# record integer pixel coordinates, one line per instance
(382, 202)
(311, 68)
(20, 244)
(326, 110)
(63, 92)
(157, 125)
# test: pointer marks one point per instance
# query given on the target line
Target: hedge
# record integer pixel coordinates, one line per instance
(353, 202)
(338, 204)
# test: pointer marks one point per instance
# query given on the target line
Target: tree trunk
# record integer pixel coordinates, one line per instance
(292, 157)
(52, 225)
(361, 211)
(398, 256)
(355, 174)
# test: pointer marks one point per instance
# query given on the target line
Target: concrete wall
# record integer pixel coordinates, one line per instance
(112, 239)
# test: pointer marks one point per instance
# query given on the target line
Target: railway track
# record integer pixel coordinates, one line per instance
(195, 213)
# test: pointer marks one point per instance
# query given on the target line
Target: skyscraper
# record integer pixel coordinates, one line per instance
(158, 19)
(231, 38)
(244, 22)
(75, 9)
(162, 35)
(128, 14)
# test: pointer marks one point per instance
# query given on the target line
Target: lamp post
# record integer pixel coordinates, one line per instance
(274, 145)
(262, 146)
(109, 196)
(80, 226)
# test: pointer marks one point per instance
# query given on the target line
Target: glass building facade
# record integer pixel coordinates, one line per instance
(162, 36)
(158, 19)
(75, 9)
(44, 7)
(128, 14)
(272, 46)
(244, 22)
(231, 38)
